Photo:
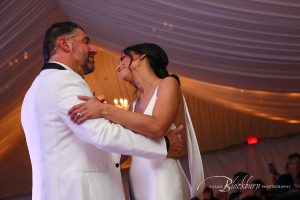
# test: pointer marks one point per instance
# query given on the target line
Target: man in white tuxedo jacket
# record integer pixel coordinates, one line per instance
(69, 161)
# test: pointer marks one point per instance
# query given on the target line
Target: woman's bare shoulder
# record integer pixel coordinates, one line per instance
(169, 83)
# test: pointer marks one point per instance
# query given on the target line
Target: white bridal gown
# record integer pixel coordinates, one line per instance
(166, 180)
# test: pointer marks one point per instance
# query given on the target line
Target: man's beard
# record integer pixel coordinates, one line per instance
(88, 66)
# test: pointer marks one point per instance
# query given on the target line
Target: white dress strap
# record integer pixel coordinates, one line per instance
(151, 104)
(194, 157)
(133, 105)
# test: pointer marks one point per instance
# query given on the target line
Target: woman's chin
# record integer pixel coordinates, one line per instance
(126, 78)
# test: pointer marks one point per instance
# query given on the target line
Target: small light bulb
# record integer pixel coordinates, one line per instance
(125, 102)
(116, 101)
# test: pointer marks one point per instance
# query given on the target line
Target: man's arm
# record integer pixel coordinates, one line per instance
(100, 132)
(175, 144)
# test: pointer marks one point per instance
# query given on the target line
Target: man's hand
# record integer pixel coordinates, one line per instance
(177, 147)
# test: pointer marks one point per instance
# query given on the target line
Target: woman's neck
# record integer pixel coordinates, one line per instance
(145, 81)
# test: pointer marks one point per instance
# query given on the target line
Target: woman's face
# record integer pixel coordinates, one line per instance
(123, 68)
(127, 64)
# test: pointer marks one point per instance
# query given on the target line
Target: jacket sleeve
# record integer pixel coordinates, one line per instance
(101, 132)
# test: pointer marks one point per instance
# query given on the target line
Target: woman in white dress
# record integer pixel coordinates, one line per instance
(159, 107)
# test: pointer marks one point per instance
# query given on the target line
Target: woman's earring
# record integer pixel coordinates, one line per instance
(142, 57)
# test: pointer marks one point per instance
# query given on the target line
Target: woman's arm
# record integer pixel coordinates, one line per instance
(164, 112)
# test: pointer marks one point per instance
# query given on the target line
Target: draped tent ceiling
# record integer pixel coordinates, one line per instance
(238, 60)
(246, 44)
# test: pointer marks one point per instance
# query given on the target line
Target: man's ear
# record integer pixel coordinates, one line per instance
(63, 44)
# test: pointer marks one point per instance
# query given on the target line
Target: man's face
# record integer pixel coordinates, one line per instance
(82, 52)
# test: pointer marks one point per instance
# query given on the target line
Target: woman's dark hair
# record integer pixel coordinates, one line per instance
(157, 57)
(261, 186)
(55, 31)
(208, 190)
(294, 156)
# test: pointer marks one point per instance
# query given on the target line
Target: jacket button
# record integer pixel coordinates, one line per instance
(117, 165)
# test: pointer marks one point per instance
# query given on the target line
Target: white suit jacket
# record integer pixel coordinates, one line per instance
(75, 162)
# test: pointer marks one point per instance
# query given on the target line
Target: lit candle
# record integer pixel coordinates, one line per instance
(126, 104)
(116, 102)
(122, 103)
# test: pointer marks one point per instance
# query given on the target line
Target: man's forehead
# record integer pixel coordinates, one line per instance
(80, 32)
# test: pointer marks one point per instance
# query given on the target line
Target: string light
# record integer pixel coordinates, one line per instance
(277, 106)
(294, 121)
(25, 55)
(16, 60)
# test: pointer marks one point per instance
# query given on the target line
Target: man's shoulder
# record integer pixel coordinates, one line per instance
(54, 81)
(55, 76)
(58, 73)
